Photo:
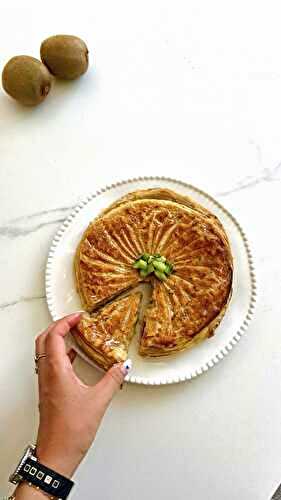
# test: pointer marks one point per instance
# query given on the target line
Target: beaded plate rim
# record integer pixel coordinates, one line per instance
(253, 296)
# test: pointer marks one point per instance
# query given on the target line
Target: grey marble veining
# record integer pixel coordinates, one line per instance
(30, 224)
(34, 215)
(25, 225)
(20, 300)
(15, 231)
(266, 175)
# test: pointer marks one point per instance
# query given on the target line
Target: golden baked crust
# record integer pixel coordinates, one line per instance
(189, 304)
(174, 323)
(106, 335)
(159, 194)
(168, 195)
(103, 263)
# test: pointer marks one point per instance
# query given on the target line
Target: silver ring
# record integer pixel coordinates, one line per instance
(36, 359)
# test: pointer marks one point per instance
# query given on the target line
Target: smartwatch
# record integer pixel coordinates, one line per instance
(40, 476)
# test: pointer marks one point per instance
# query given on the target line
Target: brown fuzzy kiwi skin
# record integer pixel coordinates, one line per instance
(65, 56)
(26, 79)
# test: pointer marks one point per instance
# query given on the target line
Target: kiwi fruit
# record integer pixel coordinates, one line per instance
(66, 56)
(26, 79)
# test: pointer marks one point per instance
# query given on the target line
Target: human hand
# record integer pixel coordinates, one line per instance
(70, 411)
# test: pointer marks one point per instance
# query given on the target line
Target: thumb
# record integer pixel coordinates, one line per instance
(112, 380)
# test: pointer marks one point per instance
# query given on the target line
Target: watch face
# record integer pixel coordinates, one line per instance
(16, 476)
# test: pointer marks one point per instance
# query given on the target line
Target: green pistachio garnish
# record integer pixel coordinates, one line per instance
(160, 266)
(157, 264)
(169, 268)
(160, 276)
(150, 268)
(145, 257)
(140, 264)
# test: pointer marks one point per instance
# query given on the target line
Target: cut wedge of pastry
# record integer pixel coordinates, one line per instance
(172, 323)
(105, 336)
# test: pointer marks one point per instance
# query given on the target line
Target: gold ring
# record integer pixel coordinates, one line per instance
(36, 359)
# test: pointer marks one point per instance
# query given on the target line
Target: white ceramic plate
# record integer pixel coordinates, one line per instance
(63, 299)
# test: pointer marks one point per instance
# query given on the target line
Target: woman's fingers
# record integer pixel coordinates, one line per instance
(40, 339)
(40, 348)
(111, 382)
(62, 326)
(55, 346)
(51, 343)
(72, 355)
(40, 343)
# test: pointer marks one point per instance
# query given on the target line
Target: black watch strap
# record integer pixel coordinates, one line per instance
(46, 479)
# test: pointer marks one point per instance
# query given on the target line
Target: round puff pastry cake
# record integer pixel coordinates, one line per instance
(187, 305)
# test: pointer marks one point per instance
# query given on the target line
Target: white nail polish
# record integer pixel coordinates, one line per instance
(126, 366)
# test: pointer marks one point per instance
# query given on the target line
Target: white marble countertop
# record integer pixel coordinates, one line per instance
(190, 90)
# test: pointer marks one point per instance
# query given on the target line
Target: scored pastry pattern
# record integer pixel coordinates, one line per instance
(187, 307)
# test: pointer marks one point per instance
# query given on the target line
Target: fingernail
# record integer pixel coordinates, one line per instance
(76, 313)
(126, 366)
